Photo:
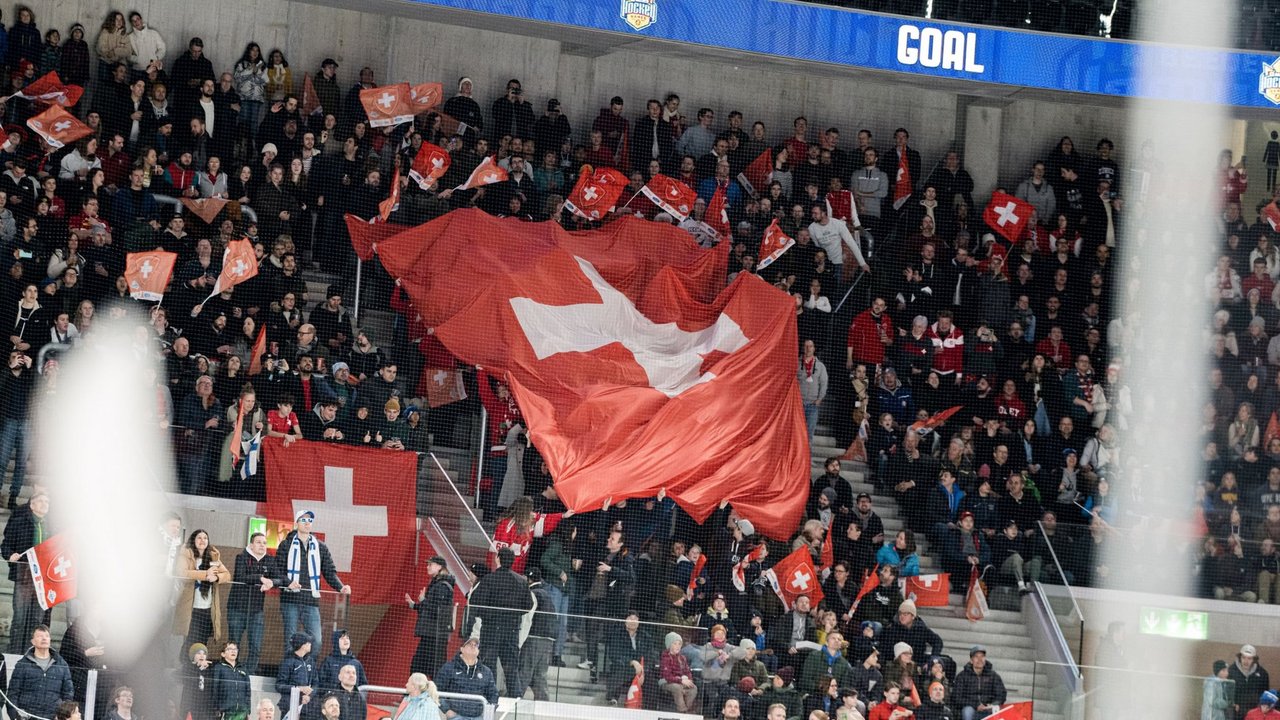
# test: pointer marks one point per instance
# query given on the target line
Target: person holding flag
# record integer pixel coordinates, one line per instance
(902, 166)
(27, 527)
(248, 421)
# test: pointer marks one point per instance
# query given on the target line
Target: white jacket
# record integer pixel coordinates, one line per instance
(147, 46)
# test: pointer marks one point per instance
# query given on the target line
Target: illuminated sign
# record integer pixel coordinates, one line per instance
(1182, 624)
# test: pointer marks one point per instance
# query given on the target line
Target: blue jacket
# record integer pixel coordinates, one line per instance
(907, 567)
(294, 671)
(230, 689)
(456, 677)
(899, 403)
(334, 663)
(421, 707)
(38, 691)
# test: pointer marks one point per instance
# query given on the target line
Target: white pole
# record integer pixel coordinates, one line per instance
(359, 270)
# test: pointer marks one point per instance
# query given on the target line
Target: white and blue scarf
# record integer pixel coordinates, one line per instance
(294, 570)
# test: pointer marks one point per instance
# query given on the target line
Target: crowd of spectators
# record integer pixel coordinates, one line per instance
(891, 270)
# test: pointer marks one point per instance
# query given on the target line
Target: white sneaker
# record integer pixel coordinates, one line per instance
(1023, 587)
(587, 665)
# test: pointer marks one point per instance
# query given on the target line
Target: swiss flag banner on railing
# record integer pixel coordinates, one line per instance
(364, 500)
(52, 571)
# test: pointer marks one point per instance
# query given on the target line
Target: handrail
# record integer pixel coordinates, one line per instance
(457, 567)
(484, 431)
(1042, 604)
(1061, 573)
(488, 707)
(444, 473)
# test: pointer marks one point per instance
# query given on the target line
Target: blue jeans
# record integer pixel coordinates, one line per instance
(560, 602)
(251, 112)
(811, 419)
(240, 622)
(13, 444)
(310, 616)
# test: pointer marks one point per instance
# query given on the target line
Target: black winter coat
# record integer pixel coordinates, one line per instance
(435, 612)
(973, 689)
(456, 676)
(500, 599)
(294, 672)
(38, 691)
(230, 689)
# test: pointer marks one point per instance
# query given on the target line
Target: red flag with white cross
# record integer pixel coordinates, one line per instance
(928, 590)
(1271, 214)
(635, 347)
(424, 96)
(49, 88)
(794, 576)
(363, 500)
(58, 127)
(429, 165)
(486, 173)
(1007, 215)
(671, 195)
(52, 571)
(239, 263)
(392, 203)
(635, 693)
(148, 273)
(387, 105)
(773, 245)
(717, 215)
(596, 192)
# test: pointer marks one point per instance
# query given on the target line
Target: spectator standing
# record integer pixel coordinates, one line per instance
(199, 700)
(466, 675)
(1251, 679)
(463, 108)
(1217, 696)
(114, 48)
(25, 44)
(812, 376)
(340, 656)
(231, 685)
(250, 76)
(74, 69)
(41, 678)
(498, 601)
(148, 46)
(28, 526)
(198, 613)
(190, 71)
(435, 618)
(512, 115)
(16, 385)
(301, 561)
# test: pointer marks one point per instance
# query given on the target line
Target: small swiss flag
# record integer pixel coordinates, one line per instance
(793, 576)
(717, 216)
(429, 165)
(486, 173)
(596, 192)
(1271, 214)
(928, 590)
(1007, 215)
(58, 127)
(392, 203)
(773, 245)
(388, 105)
(52, 571)
(673, 196)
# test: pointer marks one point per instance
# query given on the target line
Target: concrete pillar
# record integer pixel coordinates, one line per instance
(982, 147)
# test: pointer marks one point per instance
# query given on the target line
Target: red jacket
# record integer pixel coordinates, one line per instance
(508, 535)
(500, 411)
(674, 667)
(1061, 355)
(948, 350)
(882, 711)
(864, 338)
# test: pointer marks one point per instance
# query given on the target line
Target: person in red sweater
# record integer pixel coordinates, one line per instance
(948, 348)
(869, 334)
(889, 709)
(518, 527)
(1056, 349)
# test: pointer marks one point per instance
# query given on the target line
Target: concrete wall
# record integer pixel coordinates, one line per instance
(400, 48)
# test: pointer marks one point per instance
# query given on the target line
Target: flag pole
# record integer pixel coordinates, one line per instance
(355, 312)
(850, 290)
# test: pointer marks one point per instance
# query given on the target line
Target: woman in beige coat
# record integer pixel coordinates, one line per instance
(113, 46)
(201, 570)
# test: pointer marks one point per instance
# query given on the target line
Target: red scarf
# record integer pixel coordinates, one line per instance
(902, 185)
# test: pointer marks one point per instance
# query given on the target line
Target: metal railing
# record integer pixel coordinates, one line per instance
(1062, 574)
(489, 708)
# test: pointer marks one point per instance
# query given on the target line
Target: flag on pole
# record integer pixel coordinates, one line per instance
(486, 173)
(670, 195)
(794, 576)
(58, 127)
(238, 264)
(740, 570)
(387, 105)
(927, 590)
(717, 215)
(828, 557)
(148, 273)
(259, 349)
(52, 571)
(773, 245)
(1014, 711)
(429, 165)
(252, 451)
(596, 193)
(237, 433)
(1007, 215)
(757, 175)
(392, 203)
(869, 583)
(698, 566)
(902, 183)
(49, 88)
(975, 606)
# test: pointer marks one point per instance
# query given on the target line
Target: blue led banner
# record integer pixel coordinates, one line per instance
(880, 42)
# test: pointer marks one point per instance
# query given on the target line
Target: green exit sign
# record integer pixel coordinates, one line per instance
(1183, 624)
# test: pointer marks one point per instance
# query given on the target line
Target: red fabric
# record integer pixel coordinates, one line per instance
(596, 192)
(310, 100)
(239, 263)
(975, 604)
(840, 205)
(429, 165)
(1264, 285)
(674, 667)
(869, 583)
(1007, 215)
(717, 215)
(883, 711)
(595, 414)
(755, 178)
(382, 486)
(365, 237)
(1060, 354)
(1011, 407)
(773, 245)
(52, 571)
(148, 273)
(697, 571)
(424, 96)
(181, 177)
(902, 182)
(671, 195)
(948, 350)
(635, 693)
(928, 590)
(49, 88)
(387, 105)
(58, 127)
(794, 576)
(797, 153)
(392, 203)
(486, 173)
(384, 662)
(864, 337)
(236, 433)
(1023, 710)
(828, 558)
(1271, 214)
(259, 349)
(501, 410)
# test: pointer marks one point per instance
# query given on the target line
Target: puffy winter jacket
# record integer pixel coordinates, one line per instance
(39, 690)
(973, 688)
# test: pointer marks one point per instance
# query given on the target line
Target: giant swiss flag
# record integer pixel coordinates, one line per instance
(365, 505)
(636, 368)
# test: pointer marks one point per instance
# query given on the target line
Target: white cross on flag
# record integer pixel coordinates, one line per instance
(52, 571)
(363, 500)
(388, 104)
(793, 576)
(671, 195)
(1007, 215)
(239, 263)
(773, 245)
(621, 345)
(148, 274)
(486, 173)
(596, 192)
(429, 165)
(58, 127)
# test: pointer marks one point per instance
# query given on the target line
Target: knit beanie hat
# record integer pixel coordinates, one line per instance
(908, 607)
(900, 648)
(671, 639)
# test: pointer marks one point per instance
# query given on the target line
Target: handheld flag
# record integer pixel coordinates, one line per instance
(869, 583)
(148, 273)
(596, 192)
(424, 96)
(935, 420)
(773, 245)
(387, 105)
(486, 173)
(310, 100)
(252, 451)
(975, 605)
(927, 590)
(795, 576)
(259, 349)
(740, 570)
(635, 693)
(58, 127)
(392, 203)
(756, 176)
(1271, 214)
(717, 215)
(236, 434)
(1007, 215)
(429, 165)
(671, 195)
(238, 264)
(697, 570)
(49, 88)
(52, 571)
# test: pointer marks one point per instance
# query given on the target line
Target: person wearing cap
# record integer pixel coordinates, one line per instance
(302, 561)
(979, 690)
(465, 109)
(198, 697)
(466, 675)
(1218, 693)
(964, 548)
(1266, 709)
(750, 666)
(717, 613)
(328, 92)
(297, 670)
(1250, 677)
(434, 606)
(908, 627)
(499, 601)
